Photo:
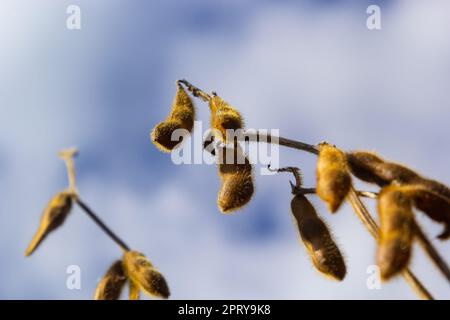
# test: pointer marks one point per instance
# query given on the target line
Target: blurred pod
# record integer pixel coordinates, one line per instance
(54, 216)
(181, 116)
(369, 167)
(432, 204)
(111, 285)
(144, 276)
(133, 291)
(333, 177)
(396, 231)
(224, 117)
(316, 237)
(235, 172)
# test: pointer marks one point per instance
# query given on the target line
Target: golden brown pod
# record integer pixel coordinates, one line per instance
(133, 291)
(181, 116)
(54, 216)
(370, 167)
(143, 275)
(432, 204)
(333, 177)
(396, 231)
(111, 285)
(236, 175)
(316, 237)
(224, 117)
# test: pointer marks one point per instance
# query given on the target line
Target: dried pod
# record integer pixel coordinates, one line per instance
(432, 204)
(111, 285)
(317, 239)
(396, 231)
(434, 186)
(224, 117)
(333, 177)
(143, 275)
(236, 175)
(369, 167)
(181, 116)
(53, 217)
(133, 291)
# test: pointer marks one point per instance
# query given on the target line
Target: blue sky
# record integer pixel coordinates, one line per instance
(309, 68)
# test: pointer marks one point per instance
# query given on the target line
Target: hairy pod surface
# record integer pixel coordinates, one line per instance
(316, 237)
(432, 204)
(182, 116)
(111, 285)
(53, 217)
(224, 117)
(235, 173)
(371, 168)
(333, 177)
(396, 231)
(141, 272)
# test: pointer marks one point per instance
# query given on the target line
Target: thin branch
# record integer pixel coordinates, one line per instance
(196, 92)
(289, 143)
(102, 225)
(367, 194)
(432, 252)
(297, 175)
(68, 156)
(364, 215)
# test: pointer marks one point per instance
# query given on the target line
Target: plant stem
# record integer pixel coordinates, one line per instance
(289, 143)
(68, 156)
(367, 194)
(196, 92)
(102, 225)
(432, 252)
(364, 215)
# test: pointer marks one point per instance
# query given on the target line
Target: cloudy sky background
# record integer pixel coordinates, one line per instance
(311, 69)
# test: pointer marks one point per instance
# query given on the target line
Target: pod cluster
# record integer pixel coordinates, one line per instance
(139, 272)
(402, 191)
(235, 170)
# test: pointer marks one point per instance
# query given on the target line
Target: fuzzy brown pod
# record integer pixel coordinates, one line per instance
(317, 238)
(235, 172)
(182, 116)
(396, 231)
(333, 177)
(111, 285)
(53, 217)
(224, 117)
(371, 168)
(144, 275)
(432, 204)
